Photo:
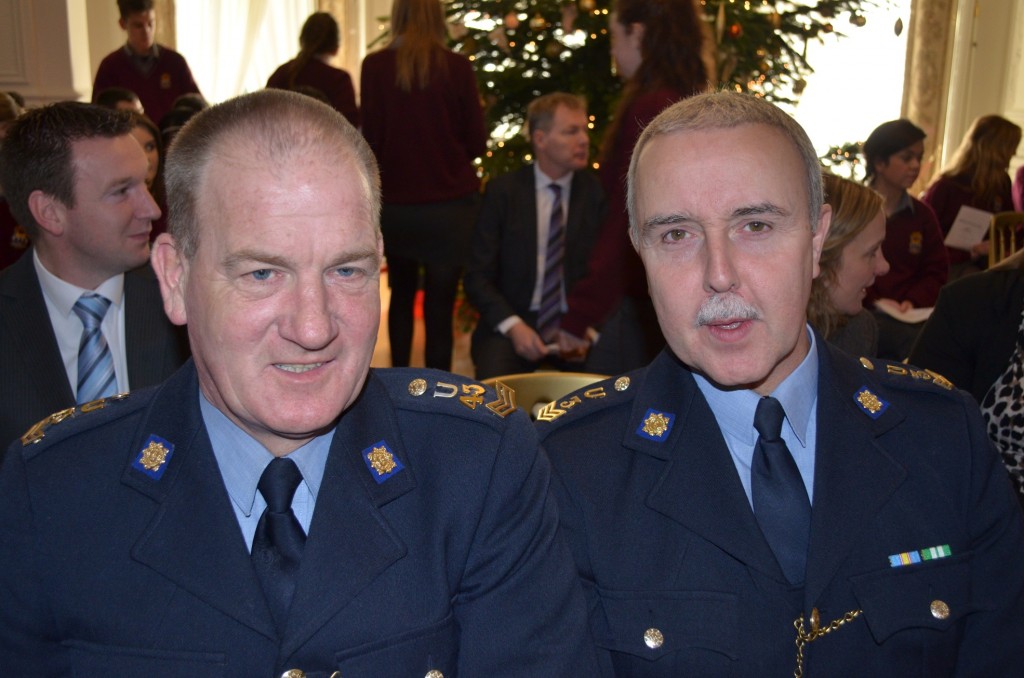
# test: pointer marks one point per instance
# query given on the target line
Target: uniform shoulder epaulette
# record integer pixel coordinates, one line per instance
(902, 375)
(432, 390)
(76, 419)
(586, 401)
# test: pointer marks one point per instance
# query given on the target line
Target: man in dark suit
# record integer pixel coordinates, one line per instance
(75, 178)
(533, 236)
(755, 503)
(276, 508)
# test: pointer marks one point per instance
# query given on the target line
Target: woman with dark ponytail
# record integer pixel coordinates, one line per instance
(319, 42)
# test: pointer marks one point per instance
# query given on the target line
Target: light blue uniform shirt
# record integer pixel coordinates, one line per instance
(242, 461)
(798, 394)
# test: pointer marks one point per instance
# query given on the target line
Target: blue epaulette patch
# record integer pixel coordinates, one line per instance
(869, 403)
(656, 425)
(381, 461)
(153, 457)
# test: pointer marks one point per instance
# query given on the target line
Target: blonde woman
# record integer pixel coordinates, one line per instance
(851, 259)
(422, 117)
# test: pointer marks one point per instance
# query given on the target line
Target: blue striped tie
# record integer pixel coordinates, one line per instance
(551, 293)
(95, 363)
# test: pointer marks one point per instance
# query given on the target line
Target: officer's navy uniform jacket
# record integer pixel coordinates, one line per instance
(680, 580)
(450, 563)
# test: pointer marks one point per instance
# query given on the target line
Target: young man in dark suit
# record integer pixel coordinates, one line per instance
(532, 239)
(74, 177)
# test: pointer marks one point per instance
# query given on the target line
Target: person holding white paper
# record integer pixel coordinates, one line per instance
(977, 177)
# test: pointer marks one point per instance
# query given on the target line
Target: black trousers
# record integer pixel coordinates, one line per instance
(434, 239)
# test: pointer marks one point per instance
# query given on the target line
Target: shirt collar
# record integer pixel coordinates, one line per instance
(905, 203)
(63, 295)
(154, 53)
(797, 393)
(542, 181)
(242, 459)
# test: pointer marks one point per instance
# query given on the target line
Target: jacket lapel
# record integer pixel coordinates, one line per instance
(194, 539)
(854, 476)
(700, 489)
(350, 543)
(525, 205)
(577, 201)
(28, 324)
(144, 329)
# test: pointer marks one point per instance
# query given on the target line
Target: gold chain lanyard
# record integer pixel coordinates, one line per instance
(803, 637)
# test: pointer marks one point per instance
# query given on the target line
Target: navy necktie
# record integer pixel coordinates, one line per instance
(279, 540)
(779, 496)
(95, 363)
(551, 292)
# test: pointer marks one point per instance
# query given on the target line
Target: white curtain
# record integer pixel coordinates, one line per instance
(233, 46)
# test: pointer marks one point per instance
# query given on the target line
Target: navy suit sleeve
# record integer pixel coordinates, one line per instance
(520, 609)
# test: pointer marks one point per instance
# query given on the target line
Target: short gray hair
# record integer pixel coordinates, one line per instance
(718, 110)
(271, 127)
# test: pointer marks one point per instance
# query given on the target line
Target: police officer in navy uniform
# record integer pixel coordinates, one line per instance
(276, 507)
(755, 502)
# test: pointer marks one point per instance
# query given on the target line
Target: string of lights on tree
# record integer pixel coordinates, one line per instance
(524, 48)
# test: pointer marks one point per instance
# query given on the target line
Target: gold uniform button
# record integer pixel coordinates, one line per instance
(434, 673)
(294, 673)
(653, 638)
(940, 610)
(622, 383)
(417, 387)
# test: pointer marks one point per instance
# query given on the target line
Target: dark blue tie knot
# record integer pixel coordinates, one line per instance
(278, 484)
(768, 419)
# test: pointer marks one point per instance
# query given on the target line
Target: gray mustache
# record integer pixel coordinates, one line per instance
(723, 307)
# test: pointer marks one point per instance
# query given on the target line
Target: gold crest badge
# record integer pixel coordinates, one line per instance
(153, 456)
(656, 424)
(382, 461)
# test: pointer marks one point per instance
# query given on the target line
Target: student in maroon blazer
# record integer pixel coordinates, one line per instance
(157, 74)
(319, 41)
(423, 119)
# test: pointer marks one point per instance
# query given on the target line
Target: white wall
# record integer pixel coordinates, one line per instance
(987, 68)
(44, 49)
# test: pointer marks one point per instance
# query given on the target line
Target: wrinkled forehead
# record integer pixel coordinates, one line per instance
(238, 188)
(755, 151)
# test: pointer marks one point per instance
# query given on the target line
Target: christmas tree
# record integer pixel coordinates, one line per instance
(524, 48)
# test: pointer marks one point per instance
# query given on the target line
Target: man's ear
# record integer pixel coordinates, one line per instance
(50, 213)
(820, 234)
(123, 24)
(172, 271)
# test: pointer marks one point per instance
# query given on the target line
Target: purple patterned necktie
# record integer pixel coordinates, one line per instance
(551, 293)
